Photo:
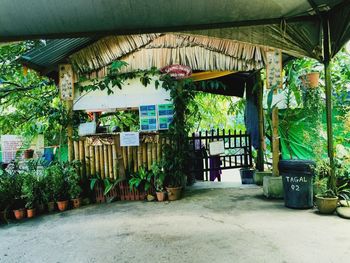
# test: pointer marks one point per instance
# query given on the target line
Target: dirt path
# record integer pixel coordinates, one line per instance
(218, 225)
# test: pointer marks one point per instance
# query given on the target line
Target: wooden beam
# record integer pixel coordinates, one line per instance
(275, 142)
(328, 91)
(69, 105)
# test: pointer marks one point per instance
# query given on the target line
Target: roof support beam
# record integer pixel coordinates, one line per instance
(327, 70)
(179, 28)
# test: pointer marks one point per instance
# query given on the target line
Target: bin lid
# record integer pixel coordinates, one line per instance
(296, 165)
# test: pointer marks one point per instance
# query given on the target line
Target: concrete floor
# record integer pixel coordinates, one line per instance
(208, 225)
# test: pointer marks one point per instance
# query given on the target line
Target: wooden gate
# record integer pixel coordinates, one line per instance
(237, 152)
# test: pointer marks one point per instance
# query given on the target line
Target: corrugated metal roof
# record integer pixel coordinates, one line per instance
(54, 52)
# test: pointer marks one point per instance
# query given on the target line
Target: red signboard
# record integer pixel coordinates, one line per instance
(177, 71)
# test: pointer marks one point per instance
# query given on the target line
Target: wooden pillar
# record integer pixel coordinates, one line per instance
(328, 91)
(69, 105)
(275, 142)
(66, 86)
(260, 95)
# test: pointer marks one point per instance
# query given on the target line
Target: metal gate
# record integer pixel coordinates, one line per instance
(237, 152)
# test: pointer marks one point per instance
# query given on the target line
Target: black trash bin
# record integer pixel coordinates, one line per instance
(297, 177)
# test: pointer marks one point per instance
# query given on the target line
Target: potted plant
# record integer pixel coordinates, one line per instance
(176, 153)
(159, 177)
(16, 185)
(60, 187)
(30, 190)
(140, 181)
(74, 188)
(326, 198)
(47, 189)
(104, 188)
(5, 194)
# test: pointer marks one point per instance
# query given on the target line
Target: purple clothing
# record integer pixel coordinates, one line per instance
(215, 162)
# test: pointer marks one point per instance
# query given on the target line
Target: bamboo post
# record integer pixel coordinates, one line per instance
(105, 160)
(125, 157)
(139, 156)
(149, 156)
(134, 158)
(144, 154)
(121, 168)
(76, 150)
(87, 160)
(97, 160)
(102, 170)
(110, 161)
(129, 152)
(275, 142)
(159, 149)
(82, 159)
(154, 152)
(76, 153)
(115, 161)
(92, 160)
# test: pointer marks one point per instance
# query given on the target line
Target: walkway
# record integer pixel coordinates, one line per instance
(207, 225)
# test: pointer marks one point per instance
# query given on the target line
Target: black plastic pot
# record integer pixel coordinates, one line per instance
(297, 177)
(247, 175)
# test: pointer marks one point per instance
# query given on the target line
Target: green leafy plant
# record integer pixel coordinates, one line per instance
(59, 182)
(107, 183)
(73, 179)
(176, 153)
(6, 190)
(158, 176)
(141, 180)
(30, 189)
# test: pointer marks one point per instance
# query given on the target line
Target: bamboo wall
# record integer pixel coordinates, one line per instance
(102, 154)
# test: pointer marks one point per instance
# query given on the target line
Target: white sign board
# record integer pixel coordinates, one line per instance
(132, 95)
(129, 139)
(216, 148)
(66, 82)
(10, 144)
(274, 69)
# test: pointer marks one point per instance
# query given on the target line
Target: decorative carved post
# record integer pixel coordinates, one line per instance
(66, 85)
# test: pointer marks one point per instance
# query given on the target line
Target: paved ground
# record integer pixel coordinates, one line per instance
(207, 225)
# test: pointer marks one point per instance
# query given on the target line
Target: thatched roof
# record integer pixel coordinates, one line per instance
(159, 50)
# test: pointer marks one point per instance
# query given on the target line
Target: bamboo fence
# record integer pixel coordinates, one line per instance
(102, 155)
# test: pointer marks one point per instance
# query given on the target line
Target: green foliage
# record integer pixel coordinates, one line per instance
(176, 154)
(108, 183)
(158, 175)
(64, 180)
(141, 180)
(73, 179)
(30, 189)
(6, 189)
(210, 111)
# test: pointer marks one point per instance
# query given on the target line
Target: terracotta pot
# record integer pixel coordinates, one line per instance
(31, 213)
(326, 205)
(62, 205)
(174, 193)
(311, 79)
(160, 196)
(51, 206)
(76, 202)
(28, 154)
(19, 213)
